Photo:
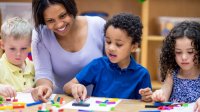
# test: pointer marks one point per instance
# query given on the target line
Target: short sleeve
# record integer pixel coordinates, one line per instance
(89, 73)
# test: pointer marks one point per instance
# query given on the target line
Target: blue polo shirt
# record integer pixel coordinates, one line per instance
(111, 81)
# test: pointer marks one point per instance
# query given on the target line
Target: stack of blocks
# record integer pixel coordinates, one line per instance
(10, 104)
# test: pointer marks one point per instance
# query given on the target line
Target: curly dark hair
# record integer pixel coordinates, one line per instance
(186, 29)
(39, 6)
(129, 23)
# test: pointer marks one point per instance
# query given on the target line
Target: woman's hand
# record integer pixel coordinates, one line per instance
(42, 92)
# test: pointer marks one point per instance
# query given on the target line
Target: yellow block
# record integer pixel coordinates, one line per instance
(8, 107)
(2, 108)
(19, 103)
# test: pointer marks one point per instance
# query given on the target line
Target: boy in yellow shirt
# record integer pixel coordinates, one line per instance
(16, 70)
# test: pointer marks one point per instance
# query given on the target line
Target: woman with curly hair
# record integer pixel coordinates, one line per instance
(179, 61)
(116, 75)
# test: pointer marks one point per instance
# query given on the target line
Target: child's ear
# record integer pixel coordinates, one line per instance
(134, 47)
(1, 44)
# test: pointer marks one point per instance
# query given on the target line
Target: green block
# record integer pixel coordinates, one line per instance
(112, 108)
(185, 105)
(43, 111)
(102, 104)
(56, 104)
(1, 98)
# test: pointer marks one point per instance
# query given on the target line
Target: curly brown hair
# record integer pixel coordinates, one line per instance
(128, 22)
(188, 29)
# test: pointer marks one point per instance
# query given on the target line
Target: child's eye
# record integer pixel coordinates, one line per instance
(118, 45)
(177, 52)
(12, 49)
(191, 52)
(108, 42)
(24, 48)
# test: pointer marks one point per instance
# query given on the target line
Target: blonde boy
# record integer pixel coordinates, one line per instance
(16, 70)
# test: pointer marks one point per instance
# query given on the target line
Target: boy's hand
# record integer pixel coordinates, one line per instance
(159, 96)
(79, 91)
(197, 105)
(146, 94)
(41, 92)
(7, 91)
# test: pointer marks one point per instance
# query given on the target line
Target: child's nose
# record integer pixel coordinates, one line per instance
(184, 56)
(18, 53)
(111, 47)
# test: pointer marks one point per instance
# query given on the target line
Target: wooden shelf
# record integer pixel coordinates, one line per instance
(156, 38)
(156, 85)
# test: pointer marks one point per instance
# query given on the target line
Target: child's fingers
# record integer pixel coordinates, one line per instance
(4, 93)
(147, 98)
(155, 97)
(159, 98)
(82, 91)
(84, 94)
(10, 92)
(143, 90)
(197, 107)
(146, 89)
(147, 93)
(75, 93)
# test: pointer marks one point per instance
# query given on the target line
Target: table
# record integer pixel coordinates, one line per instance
(125, 105)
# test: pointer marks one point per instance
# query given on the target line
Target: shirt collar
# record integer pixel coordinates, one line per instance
(131, 66)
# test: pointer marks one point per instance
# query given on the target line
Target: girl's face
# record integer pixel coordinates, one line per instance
(118, 46)
(185, 52)
(16, 50)
(58, 19)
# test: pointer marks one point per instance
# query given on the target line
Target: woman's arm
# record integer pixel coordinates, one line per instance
(43, 68)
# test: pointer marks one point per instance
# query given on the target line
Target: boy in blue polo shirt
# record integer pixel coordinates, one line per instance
(116, 75)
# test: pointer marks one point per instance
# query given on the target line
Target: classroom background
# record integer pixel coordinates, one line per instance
(158, 17)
